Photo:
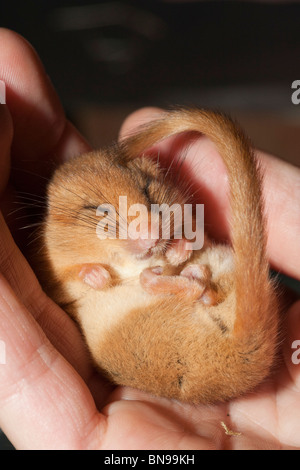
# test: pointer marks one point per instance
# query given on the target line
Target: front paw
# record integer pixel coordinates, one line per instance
(155, 282)
(202, 273)
(193, 283)
(95, 276)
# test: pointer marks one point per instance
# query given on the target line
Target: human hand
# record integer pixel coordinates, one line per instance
(50, 396)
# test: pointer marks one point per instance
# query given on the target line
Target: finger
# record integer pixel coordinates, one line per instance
(32, 100)
(44, 403)
(281, 193)
(282, 204)
(41, 130)
(138, 118)
(58, 327)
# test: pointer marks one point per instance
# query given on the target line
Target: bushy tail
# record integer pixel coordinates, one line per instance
(254, 292)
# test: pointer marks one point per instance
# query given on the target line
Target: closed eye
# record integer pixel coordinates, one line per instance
(89, 207)
(146, 189)
(103, 209)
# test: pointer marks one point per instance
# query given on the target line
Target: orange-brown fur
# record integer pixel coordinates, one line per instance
(167, 342)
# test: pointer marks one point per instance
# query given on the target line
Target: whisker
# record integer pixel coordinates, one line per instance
(36, 224)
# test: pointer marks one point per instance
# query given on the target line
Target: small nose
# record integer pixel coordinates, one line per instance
(143, 237)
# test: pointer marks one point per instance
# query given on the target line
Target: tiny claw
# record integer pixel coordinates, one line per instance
(157, 270)
(154, 283)
(209, 298)
(141, 242)
(200, 272)
(179, 252)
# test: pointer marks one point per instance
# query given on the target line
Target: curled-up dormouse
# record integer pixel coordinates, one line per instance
(198, 324)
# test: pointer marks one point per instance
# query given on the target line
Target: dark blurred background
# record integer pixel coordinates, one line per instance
(107, 58)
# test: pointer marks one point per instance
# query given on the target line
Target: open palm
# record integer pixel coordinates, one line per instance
(51, 397)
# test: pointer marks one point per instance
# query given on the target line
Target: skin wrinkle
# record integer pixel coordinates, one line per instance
(256, 424)
(23, 326)
(249, 417)
(74, 408)
(280, 411)
(56, 326)
(9, 254)
(38, 303)
(21, 368)
(41, 359)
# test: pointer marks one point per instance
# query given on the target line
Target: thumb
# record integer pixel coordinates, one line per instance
(137, 118)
